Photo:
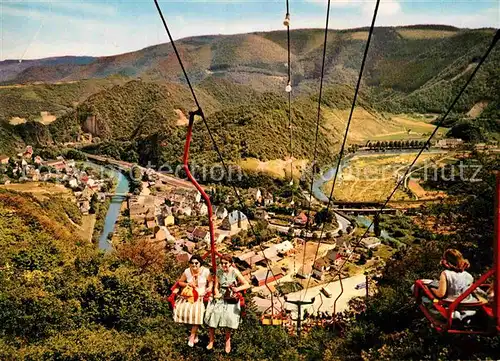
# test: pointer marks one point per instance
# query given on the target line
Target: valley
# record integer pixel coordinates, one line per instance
(98, 219)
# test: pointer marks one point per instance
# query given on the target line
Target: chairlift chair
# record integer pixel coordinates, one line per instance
(213, 253)
(272, 316)
(486, 313)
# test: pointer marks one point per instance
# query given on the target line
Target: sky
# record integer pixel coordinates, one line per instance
(31, 29)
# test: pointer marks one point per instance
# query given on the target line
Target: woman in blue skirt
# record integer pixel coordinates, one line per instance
(225, 310)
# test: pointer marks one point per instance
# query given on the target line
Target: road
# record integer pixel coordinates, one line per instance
(342, 222)
(321, 302)
(125, 165)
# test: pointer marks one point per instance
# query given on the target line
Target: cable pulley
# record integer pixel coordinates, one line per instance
(286, 22)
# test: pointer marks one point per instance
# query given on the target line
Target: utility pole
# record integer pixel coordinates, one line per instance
(299, 305)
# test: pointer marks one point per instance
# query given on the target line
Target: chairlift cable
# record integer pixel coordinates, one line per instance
(317, 130)
(216, 148)
(289, 89)
(341, 153)
(427, 143)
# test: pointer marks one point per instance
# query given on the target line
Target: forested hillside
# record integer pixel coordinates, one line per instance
(28, 101)
(10, 141)
(245, 123)
(417, 69)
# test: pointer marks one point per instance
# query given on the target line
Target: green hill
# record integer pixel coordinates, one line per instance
(417, 69)
(10, 141)
(138, 118)
(27, 101)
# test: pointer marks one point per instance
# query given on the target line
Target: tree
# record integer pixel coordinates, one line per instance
(94, 204)
(76, 155)
(362, 259)
(323, 216)
(131, 156)
(236, 241)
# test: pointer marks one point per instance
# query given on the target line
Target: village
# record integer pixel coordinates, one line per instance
(87, 183)
(288, 256)
(286, 260)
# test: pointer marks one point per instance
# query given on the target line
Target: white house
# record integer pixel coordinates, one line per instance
(200, 235)
(284, 247)
(235, 220)
(220, 212)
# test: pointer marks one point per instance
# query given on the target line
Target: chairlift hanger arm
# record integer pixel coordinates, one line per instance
(185, 159)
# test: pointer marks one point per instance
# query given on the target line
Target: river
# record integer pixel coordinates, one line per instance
(327, 176)
(113, 210)
(115, 204)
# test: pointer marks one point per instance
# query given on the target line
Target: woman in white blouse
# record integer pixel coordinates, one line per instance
(189, 308)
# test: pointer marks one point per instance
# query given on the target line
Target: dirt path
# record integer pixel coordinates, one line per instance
(87, 228)
(466, 70)
(477, 109)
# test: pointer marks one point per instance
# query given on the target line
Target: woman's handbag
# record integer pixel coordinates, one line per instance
(231, 297)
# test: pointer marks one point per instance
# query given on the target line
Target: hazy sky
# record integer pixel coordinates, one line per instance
(41, 28)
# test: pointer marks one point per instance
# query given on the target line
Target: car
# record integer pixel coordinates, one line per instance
(360, 285)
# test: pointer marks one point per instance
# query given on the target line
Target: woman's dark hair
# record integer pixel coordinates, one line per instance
(196, 257)
(226, 257)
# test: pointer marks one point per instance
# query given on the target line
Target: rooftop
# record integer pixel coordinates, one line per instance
(262, 274)
(233, 217)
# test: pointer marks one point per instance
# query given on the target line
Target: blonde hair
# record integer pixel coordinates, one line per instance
(455, 260)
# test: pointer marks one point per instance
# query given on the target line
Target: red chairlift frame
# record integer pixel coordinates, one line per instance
(446, 308)
(213, 251)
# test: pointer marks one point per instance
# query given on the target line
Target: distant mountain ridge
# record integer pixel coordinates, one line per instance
(11, 70)
(262, 53)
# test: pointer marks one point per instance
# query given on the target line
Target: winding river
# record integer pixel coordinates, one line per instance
(327, 176)
(321, 196)
(115, 205)
(113, 210)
